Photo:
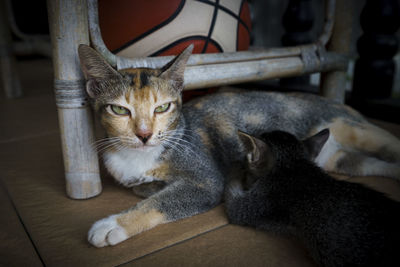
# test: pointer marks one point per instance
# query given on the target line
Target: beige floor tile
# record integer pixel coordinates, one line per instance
(230, 246)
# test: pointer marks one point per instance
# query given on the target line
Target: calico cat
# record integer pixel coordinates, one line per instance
(341, 223)
(179, 156)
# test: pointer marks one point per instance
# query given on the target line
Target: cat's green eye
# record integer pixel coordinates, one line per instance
(119, 110)
(162, 108)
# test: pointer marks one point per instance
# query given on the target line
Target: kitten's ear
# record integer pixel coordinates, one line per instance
(255, 148)
(174, 70)
(315, 143)
(95, 68)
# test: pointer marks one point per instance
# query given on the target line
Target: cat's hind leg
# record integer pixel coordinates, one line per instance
(334, 157)
(367, 139)
(360, 149)
(357, 164)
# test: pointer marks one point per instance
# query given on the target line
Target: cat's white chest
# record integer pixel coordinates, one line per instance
(129, 166)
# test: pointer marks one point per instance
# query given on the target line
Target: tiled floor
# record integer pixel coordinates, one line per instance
(40, 225)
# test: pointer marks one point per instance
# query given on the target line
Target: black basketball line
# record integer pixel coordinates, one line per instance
(228, 11)
(162, 24)
(214, 18)
(188, 38)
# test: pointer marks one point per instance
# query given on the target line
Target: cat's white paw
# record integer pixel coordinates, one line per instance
(106, 232)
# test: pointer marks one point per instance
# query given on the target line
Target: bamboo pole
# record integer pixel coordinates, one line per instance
(333, 83)
(329, 22)
(68, 29)
(212, 58)
(201, 76)
(9, 73)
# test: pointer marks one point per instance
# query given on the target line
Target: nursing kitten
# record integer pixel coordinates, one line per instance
(178, 156)
(341, 223)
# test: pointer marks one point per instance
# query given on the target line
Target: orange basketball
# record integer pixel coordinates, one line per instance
(138, 28)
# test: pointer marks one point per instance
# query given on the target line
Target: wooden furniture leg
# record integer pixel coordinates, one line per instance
(69, 28)
(333, 83)
(297, 21)
(375, 68)
(9, 73)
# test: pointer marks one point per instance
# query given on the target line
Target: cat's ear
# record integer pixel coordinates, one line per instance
(174, 70)
(95, 68)
(315, 143)
(254, 147)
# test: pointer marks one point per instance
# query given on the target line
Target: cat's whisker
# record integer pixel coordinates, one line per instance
(99, 144)
(181, 132)
(104, 140)
(116, 146)
(107, 146)
(104, 144)
(183, 146)
(189, 137)
(101, 151)
(120, 147)
(131, 143)
(107, 138)
(173, 146)
(128, 140)
(180, 139)
(177, 148)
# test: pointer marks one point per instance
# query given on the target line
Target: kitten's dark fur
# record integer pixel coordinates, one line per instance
(341, 223)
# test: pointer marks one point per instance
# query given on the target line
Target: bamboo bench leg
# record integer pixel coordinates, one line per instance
(333, 83)
(9, 73)
(69, 28)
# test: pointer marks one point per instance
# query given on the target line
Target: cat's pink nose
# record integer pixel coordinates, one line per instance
(144, 136)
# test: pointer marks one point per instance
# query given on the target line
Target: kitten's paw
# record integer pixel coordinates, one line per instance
(106, 232)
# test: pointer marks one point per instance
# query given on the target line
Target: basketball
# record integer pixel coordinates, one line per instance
(137, 28)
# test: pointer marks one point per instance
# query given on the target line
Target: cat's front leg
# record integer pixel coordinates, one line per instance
(236, 202)
(148, 189)
(107, 232)
(246, 207)
(176, 201)
(119, 227)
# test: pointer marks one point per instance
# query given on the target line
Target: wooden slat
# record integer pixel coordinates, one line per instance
(14, 240)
